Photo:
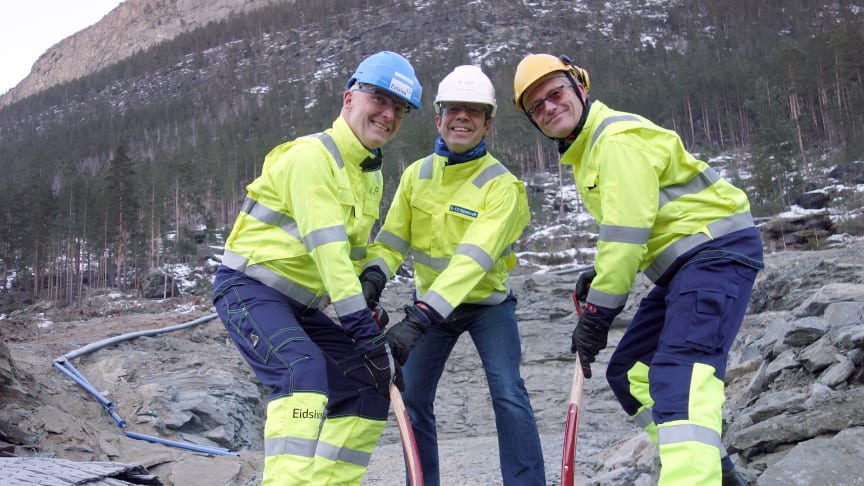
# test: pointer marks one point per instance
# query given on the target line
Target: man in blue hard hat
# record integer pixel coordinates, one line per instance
(301, 235)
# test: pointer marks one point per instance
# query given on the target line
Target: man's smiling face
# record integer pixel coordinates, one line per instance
(462, 125)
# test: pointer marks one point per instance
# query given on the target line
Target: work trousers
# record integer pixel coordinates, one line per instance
(495, 334)
(325, 415)
(668, 370)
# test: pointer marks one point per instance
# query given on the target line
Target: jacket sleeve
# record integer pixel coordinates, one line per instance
(629, 197)
(310, 189)
(393, 242)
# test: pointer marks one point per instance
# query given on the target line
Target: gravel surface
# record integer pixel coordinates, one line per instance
(468, 446)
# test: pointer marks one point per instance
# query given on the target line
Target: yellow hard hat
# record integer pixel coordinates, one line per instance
(534, 67)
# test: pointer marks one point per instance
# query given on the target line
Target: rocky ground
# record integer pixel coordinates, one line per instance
(794, 388)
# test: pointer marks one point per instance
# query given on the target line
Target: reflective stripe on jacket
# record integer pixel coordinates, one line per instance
(459, 222)
(305, 225)
(653, 200)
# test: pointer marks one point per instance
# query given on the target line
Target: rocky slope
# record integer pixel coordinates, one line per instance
(793, 416)
(132, 26)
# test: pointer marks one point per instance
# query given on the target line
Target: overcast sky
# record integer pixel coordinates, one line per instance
(29, 27)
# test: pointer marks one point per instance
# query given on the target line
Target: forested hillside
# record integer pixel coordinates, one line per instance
(98, 171)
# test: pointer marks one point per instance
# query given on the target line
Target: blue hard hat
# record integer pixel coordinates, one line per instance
(392, 73)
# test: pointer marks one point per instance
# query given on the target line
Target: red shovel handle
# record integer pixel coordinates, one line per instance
(381, 317)
(409, 444)
(568, 453)
(577, 304)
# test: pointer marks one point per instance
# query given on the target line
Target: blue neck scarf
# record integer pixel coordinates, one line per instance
(478, 151)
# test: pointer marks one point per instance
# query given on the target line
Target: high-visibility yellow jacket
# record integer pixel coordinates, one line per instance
(305, 225)
(653, 200)
(459, 222)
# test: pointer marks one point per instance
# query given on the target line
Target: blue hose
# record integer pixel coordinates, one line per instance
(63, 365)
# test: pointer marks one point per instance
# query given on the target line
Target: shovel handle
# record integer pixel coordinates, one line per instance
(568, 453)
(577, 304)
(571, 427)
(409, 444)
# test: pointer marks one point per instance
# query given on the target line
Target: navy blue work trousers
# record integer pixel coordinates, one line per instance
(293, 348)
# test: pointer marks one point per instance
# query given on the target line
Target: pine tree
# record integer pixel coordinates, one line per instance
(122, 213)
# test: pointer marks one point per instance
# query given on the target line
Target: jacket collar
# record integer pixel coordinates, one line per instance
(353, 152)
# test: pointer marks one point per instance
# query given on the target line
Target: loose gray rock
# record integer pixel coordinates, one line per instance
(834, 460)
(789, 396)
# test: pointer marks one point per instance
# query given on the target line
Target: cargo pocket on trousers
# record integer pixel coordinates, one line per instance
(706, 330)
(241, 326)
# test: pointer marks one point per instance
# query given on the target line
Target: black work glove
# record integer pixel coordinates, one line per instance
(383, 369)
(589, 338)
(373, 280)
(583, 283)
(404, 335)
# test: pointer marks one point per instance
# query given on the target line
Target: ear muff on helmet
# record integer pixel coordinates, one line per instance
(392, 73)
(579, 73)
(535, 67)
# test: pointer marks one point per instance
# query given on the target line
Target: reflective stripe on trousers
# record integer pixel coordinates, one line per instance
(296, 455)
(291, 437)
(313, 371)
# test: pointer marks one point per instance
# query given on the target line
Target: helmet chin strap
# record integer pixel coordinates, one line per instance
(564, 143)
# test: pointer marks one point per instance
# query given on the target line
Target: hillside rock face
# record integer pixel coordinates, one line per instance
(795, 384)
(321, 46)
(133, 26)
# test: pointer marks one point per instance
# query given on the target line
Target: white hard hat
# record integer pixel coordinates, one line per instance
(466, 84)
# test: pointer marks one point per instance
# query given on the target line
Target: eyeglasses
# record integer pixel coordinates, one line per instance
(473, 111)
(554, 97)
(384, 101)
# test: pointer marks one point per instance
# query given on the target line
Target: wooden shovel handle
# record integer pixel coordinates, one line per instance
(409, 444)
(568, 453)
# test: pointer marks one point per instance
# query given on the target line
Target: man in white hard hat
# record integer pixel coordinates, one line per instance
(458, 212)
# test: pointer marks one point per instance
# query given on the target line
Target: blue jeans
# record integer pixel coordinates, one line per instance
(496, 337)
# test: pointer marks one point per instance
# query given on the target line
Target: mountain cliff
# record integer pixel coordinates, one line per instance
(133, 26)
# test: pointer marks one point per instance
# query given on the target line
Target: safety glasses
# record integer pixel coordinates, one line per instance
(384, 101)
(554, 97)
(471, 109)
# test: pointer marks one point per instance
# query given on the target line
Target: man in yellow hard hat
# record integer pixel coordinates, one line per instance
(458, 212)
(664, 213)
(301, 235)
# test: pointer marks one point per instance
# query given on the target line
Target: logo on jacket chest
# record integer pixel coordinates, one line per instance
(463, 211)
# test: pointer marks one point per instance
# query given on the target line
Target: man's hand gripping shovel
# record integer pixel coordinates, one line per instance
(406, 432)
(568, 454)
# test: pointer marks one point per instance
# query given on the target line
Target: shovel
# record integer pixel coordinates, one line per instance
(568, 454)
